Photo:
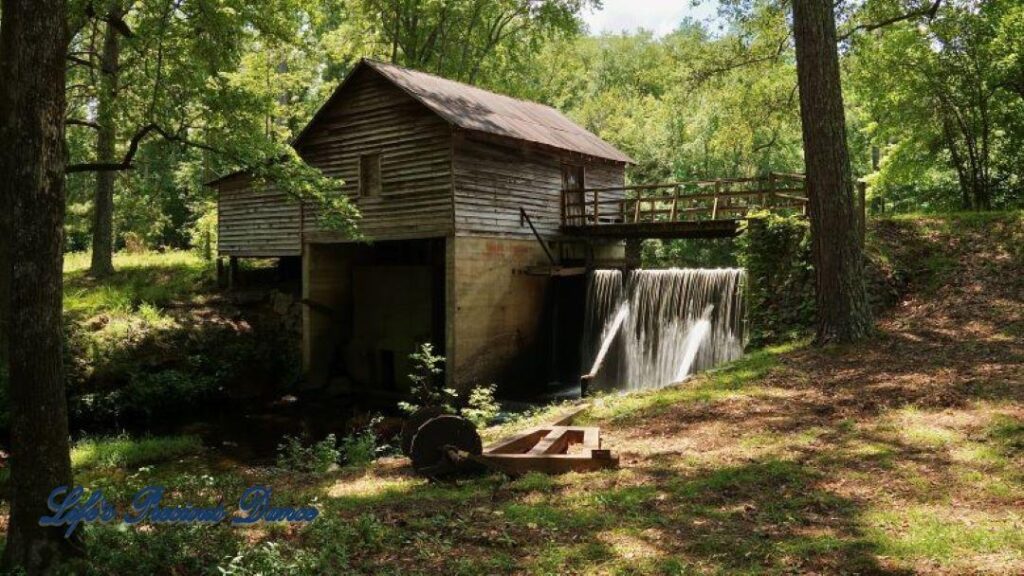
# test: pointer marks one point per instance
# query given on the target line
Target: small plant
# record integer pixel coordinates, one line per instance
(426, 387)
(481, 407)
(360, 448)
(318, 458)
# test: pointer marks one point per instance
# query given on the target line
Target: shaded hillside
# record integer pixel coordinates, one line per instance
(903, 454)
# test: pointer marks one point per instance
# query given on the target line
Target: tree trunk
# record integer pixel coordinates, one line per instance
(843, 314)
(33, 47)
(106, 136)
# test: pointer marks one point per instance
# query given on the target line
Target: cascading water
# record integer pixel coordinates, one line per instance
(652, 328)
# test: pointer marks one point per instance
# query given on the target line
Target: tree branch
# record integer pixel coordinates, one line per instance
(126, 163)
(86, 123)
(928, 11)
(80, 61)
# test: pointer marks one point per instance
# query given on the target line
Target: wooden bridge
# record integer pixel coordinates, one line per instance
(693, 209)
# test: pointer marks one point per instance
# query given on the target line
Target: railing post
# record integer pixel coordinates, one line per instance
(714, 205)
(636, 215)
(675, 201)
(597, 210)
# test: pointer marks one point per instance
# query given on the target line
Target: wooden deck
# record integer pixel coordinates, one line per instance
(694, 209)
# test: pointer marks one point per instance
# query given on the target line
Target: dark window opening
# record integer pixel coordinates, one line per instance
(369, 175)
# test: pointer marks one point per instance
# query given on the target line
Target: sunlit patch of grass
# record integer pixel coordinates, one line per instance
(978, 455)
(533, 482)
(416, 491)
(551, 516)
(633, 544)
(732, 380)
(155, 278)
(1008, 433)
(938, 534)
(372, 486)
(126, 452)
(921, 429)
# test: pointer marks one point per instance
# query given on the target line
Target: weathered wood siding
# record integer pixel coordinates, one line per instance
(371, 115)
(257, 220)
(495, 177)
(435, 181)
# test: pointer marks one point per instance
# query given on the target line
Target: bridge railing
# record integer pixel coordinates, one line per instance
(691, 201)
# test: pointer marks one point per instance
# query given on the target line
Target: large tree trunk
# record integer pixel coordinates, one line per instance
(33, 47)
(843, 314)
(106, 136)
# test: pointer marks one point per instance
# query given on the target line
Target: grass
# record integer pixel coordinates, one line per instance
(901, 455)
(126, 452)
(811, 498)
(153, 278)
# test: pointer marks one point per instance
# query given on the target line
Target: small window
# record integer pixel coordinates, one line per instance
(369, 175)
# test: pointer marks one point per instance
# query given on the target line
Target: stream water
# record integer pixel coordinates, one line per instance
(651, 328)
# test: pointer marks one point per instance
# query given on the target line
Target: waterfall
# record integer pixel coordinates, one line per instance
(651, 328)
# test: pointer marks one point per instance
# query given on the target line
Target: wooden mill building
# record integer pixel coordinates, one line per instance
(443, 174)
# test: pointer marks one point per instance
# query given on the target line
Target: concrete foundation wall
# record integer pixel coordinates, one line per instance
(368, 307)
(326, 319)
(497, 328)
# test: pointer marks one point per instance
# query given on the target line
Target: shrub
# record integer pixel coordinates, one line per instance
(426, 388)
(481, 407)
(317, 458)
(361, 448)
(776, 251)
(203, 232)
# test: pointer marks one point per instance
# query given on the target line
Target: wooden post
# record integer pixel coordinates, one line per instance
(221, 280)
(232, 272)
(675, 201)
(639, 195)
(714, 205)
(597, 210)
(564, 223)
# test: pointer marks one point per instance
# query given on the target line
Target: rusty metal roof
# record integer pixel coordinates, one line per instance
(472, 108)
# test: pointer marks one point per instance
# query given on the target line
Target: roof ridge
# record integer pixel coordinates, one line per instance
(374, 61)
(474, 108)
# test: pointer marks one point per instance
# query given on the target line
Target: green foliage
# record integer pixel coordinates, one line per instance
(490, 42)
(316, 458)
(126, 452)
(203, 232)
(144, 342)
(268, 558)
(689, 253)
(361, 448)
(427, 388)
(678, 104)
(155, 278)
(481, 407)
(357, 450)
(776, 252)
(943, 102)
